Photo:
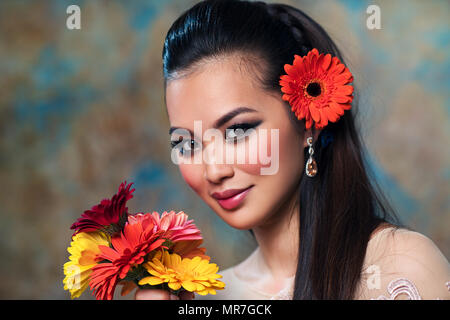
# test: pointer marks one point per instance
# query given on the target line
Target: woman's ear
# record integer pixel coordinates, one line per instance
(311, 132)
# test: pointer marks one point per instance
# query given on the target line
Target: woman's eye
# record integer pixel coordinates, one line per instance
(239, 131)
(186, 146)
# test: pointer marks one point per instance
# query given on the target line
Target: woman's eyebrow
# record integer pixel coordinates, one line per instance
(230, 115)
(222, 120)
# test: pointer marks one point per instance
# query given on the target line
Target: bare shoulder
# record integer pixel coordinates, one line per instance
(403, 245)
(401, 258)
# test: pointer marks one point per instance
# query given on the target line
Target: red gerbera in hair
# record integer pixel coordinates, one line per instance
(128, 250)
(109, 215)
(316, 88)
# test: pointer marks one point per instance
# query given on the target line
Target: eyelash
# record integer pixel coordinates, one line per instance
(244, 126)
(179, 144)
(176, 143)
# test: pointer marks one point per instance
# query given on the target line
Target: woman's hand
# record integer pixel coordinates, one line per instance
(156, 294)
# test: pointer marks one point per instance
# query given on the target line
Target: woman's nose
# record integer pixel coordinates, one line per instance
(216, 168)
(216, 173)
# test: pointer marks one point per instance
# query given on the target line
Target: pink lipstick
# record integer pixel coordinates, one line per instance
(231, 198)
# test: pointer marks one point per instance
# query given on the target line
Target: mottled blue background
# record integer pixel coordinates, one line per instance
(83, 110)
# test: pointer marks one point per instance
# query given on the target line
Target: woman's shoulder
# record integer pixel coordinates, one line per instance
(402, 263)
(399, 245)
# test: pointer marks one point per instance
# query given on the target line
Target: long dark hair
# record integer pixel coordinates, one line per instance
(341, 206)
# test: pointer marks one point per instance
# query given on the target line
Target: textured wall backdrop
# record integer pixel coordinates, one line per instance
(83, 110)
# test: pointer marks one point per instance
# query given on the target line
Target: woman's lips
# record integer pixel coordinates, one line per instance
(231, 198)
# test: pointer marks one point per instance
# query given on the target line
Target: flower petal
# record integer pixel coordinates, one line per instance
(331, 115)
(289, 69)
(345, 90)
(323, 118)
(315, 114)
(341, 99)
(336, 108)
(326, 62)
(151, 281)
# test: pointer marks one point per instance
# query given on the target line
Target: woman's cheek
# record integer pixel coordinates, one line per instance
(193, 175)
(258, 153)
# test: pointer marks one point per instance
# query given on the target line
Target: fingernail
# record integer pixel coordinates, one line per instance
(174, 297)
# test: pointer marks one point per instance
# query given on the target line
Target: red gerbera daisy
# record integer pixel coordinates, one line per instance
(316, 87)
(128, 250)
(110, 214)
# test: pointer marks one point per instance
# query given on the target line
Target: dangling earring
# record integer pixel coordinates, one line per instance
(311, 164)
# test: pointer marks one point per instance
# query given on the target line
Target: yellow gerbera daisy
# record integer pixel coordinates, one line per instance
(83, 250)
(194, 275)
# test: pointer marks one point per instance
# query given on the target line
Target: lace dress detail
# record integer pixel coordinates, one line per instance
(398, 287)
(395, 288)
(284, 294)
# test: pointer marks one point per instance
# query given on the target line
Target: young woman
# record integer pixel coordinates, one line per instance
(323, 229)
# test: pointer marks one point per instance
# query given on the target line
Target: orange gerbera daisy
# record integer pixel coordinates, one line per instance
(129, 248)
(189, 249)
(316, 87)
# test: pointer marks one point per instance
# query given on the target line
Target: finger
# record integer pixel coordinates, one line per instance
(152, 294)
(186, 295)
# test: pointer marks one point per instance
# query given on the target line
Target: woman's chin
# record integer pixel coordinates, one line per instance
(239, 219)
(240, 226)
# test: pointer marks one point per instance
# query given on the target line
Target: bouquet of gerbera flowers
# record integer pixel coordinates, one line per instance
(147, 250)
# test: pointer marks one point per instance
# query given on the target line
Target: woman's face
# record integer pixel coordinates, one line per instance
(261, 175)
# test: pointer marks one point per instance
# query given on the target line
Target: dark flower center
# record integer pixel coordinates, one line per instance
(314, 89)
